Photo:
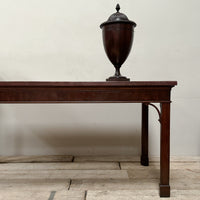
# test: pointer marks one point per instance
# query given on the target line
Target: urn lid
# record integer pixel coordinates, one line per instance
(118, 18)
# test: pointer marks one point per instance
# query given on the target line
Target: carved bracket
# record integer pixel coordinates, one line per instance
(158, 111)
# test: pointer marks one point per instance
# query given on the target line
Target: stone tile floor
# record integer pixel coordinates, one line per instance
(94, 178)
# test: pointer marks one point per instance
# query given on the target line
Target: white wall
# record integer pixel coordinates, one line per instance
(61, 40)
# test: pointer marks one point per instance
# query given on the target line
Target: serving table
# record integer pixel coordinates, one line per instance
(144, 92)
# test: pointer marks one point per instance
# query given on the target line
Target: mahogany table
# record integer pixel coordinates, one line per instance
(146, 93)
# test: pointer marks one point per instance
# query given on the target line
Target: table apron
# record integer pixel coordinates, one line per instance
(83, 95)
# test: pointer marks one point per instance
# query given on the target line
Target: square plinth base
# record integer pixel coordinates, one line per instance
(164, 190)
(117, 78)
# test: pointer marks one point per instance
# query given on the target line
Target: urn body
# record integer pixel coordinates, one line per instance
(117, 33)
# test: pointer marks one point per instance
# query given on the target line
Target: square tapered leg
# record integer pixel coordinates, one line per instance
(165, 150)
(144, 156)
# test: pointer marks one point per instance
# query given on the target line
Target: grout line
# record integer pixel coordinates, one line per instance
(70, 182)
(51, 197)
(59, 158)
(85, 195)
(120, 165)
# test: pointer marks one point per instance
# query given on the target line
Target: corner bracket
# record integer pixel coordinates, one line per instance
(158, 111)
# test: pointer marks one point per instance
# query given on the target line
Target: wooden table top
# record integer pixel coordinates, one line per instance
(85, 84)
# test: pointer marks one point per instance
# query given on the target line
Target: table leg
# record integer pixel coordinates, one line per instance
(165, 150)
(144, 155)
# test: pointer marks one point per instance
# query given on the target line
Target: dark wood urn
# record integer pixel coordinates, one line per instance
(117, 32)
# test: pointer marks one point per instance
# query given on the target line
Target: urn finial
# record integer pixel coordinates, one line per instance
(117, 7)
